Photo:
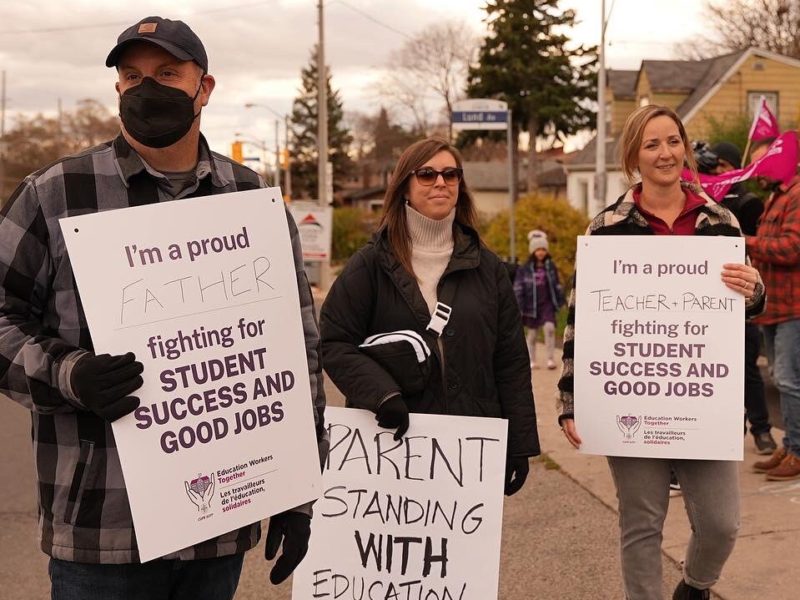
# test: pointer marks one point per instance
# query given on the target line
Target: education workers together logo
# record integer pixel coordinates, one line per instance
(629, 425)
(201, 491)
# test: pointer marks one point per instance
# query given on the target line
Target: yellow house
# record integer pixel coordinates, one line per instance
(718, 88)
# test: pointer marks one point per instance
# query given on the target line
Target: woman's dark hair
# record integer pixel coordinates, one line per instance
(393, 218)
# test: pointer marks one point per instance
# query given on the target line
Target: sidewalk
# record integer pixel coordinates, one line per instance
(560, 536)
(760, 565)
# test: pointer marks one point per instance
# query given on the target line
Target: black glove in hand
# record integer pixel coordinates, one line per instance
(516, 474)
(393, 414)
(103, 384)
(294, 529)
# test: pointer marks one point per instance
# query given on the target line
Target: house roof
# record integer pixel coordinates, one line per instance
(673, 76)
(493, 175)
(724, 68)
(584, 159)
(700, 79)
(622, 83)
(717, 69)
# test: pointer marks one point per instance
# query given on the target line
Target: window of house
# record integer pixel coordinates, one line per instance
(753, 98)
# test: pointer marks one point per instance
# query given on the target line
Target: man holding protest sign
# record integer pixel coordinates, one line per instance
(48, 363)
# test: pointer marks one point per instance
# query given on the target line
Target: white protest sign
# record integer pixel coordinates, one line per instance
(659, 347)
(418, 518)
(204, 292)
(315, 225)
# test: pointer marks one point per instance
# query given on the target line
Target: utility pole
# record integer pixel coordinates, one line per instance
(277, 153)
(3, 139)
(287, 175)
(322, 113)
(600, 156)
(3, 107)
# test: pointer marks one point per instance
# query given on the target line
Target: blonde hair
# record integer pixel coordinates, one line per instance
(633, 131)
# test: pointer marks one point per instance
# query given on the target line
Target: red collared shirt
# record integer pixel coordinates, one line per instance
(683, 225)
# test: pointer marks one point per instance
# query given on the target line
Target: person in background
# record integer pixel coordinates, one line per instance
(655, 147)
(48, 362)
(775, 249)
(747, 208)
(539, 295)
(426, 262)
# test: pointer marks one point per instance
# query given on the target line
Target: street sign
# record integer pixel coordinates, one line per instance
(489, 114)
(480, 113)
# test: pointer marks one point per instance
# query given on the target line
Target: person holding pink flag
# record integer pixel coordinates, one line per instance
(764, 126)
(776, 251)
(778, 162)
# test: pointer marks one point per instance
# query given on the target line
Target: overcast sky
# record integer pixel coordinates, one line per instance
(56, 50)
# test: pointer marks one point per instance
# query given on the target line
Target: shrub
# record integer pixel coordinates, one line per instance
(562, 224)
(352, 229)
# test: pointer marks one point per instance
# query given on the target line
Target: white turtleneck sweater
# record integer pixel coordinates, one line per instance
(431, 248)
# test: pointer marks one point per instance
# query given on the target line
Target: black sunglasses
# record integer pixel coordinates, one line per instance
(429, 175)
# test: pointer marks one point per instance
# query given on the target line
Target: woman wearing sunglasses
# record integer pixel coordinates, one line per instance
(427, 272)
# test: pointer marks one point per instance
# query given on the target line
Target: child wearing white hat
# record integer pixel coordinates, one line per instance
(539, 295)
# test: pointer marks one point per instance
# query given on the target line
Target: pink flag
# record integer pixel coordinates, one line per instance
(765, 125)
(779, 164)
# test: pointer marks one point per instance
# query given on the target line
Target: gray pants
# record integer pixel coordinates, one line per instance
(549, 340)
(711, 497)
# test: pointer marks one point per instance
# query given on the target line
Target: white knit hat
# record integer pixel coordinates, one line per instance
(537, 239)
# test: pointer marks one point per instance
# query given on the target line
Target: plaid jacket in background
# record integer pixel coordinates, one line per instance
(775, 250)
(84, 515)
(623, 218)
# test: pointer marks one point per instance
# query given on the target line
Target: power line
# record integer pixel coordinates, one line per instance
(370, 17)
(123, 23)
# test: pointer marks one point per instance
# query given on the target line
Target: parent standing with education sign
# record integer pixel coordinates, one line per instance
(48, 363)
(655, 146)
(415, 518)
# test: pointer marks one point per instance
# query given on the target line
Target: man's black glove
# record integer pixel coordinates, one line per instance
(393, 414)
(516, 474)
(103, 384)
(294, 529)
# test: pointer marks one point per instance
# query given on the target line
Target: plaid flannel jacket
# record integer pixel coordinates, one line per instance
(623, 218)
(775, 250)
(84, 515)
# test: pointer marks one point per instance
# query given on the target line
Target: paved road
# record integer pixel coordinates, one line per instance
(559, 540)
(559, 535)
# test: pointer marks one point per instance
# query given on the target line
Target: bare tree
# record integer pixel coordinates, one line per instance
(769, 24)
(430, 68)
(38, 140)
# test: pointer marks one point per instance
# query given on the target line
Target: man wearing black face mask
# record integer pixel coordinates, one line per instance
(47, 362)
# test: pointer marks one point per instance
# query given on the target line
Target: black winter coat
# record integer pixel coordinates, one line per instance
(486, 368)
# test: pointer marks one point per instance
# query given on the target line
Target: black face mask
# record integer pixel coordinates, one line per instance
(157, 115)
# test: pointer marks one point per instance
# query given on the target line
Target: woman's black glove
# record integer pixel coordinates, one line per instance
(294, 530)
(516, 474)
(103, 384)
(393, 413)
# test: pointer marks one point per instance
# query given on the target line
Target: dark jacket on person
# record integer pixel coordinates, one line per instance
(84, 513)
(486, 371)
(746, 207)
(525, 287)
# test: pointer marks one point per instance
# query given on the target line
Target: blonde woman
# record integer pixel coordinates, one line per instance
(655, 149)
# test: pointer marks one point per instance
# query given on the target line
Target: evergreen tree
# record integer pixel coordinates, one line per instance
(525, 60)
(390, 141)
(303, 146)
